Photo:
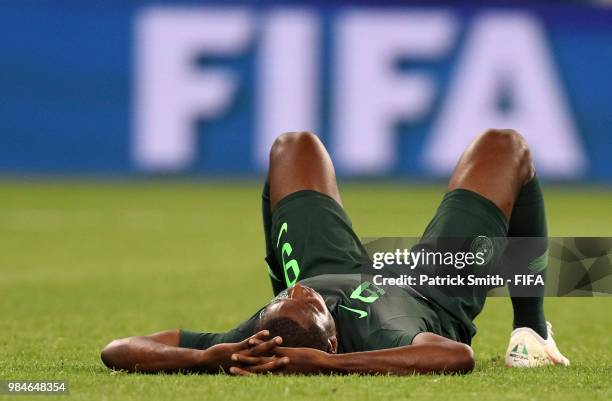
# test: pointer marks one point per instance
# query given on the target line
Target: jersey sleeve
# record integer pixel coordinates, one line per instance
(203, 340)
(394, 337)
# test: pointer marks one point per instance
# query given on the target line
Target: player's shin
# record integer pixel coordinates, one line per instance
(528, 219)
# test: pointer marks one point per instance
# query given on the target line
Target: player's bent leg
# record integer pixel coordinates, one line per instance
(495, 165)
(498, 166)
(299, 161)
(309, 233)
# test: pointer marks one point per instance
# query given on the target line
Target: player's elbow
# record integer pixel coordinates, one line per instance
(112, 353)
(463, 361)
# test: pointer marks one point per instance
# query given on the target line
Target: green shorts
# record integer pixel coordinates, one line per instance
(312, 235)
(466, 219)
(466, 214)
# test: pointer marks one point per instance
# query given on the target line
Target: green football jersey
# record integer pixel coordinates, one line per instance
(367, 316)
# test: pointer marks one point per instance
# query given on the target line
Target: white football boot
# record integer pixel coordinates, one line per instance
(527, 349)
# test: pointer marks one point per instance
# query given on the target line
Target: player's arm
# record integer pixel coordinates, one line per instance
(160, 352)
(428, 353)
(153, 353)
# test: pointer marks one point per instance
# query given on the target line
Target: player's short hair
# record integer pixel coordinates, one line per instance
(296, 336)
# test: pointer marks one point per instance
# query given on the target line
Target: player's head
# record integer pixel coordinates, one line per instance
(299, 315)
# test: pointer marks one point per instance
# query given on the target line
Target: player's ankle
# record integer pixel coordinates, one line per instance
(539, 328)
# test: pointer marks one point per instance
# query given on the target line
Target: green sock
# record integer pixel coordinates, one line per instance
(529, 220)
(274, 270)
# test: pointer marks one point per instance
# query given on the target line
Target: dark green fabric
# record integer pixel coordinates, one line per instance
(463, 215)
(391, 320)
(199, 340)
(313, 235)
(529, 220)
(275, 271)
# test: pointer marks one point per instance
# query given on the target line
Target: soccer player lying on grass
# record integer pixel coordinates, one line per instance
(324, 318)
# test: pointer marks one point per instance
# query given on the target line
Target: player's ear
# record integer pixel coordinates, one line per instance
(332, 343)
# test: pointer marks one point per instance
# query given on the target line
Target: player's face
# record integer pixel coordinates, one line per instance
(305, 306)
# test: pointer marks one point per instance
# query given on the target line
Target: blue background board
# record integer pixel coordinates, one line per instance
(67, 86)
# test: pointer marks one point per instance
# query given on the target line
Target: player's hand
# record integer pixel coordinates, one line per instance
(219, 356)
(285, 361)
(259, 355)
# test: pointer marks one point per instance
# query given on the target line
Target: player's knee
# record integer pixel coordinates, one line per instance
(510, 145)
(291, 142)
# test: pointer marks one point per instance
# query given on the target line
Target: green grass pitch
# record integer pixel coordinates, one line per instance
(81, 264)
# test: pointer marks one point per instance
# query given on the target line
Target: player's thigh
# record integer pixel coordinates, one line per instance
(299, 161)
(495, 166)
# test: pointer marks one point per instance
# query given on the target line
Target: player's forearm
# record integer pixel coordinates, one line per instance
(142, 354)
(423, 358)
